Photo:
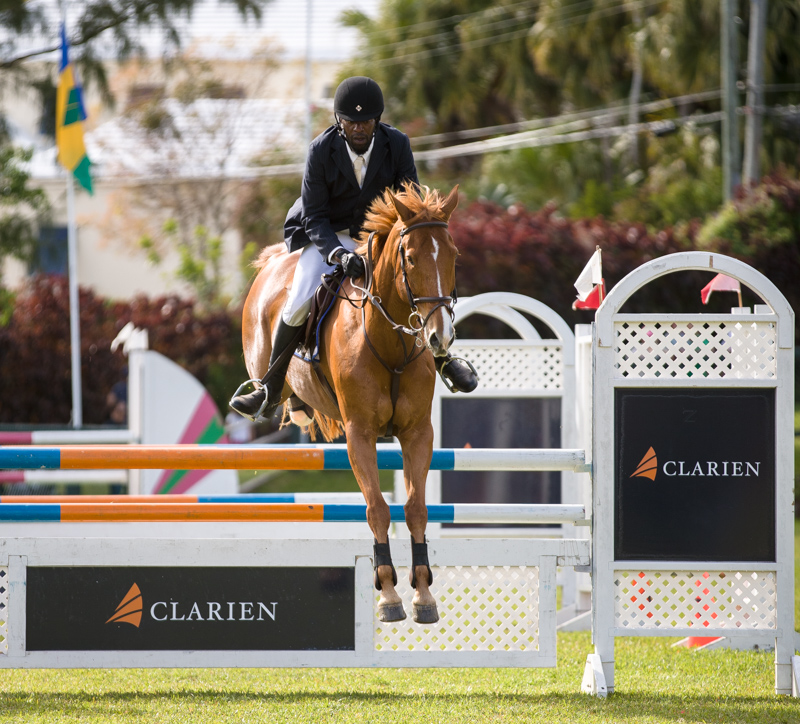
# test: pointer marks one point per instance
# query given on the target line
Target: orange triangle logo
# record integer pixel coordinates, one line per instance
(647, 466)
(129, 609)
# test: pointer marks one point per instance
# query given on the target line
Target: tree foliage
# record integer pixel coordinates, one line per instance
(762, 228)
(449, 66)
(99, 29)
(22, 208)
(459, 63)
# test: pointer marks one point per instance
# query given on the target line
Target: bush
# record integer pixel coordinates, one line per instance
(541, 254)
(762, 228)
(35, 387)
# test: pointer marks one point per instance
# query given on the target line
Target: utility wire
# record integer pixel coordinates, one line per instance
(507, 143)
(454, 49)
(601, 112)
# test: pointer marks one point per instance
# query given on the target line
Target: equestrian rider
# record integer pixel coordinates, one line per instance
(348, 166)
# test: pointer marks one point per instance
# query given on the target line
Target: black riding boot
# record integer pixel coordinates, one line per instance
(249, 404)
(460, 375)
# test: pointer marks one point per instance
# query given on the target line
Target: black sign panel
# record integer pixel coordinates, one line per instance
(190, 609)
(695, 475)
(501, 422)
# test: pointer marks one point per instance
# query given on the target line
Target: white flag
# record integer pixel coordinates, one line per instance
(591, 275)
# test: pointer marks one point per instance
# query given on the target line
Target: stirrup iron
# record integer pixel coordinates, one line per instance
(449, 385)
(257, 386)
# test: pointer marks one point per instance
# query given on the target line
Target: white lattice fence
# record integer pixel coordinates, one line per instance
(666, 599)
(516, 365)
(685, 349)
(486, 608)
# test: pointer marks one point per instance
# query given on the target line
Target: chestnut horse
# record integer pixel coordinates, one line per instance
(377, 353)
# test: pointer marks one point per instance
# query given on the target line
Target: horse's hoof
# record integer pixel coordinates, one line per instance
(388, 612)
(425, 613)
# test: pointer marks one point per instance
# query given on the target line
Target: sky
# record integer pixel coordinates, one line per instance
(218, 26)
(283, 21)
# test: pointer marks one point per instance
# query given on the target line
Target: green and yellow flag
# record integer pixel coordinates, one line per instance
(70, 115)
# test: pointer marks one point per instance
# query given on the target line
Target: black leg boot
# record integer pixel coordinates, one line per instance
(286, 338)
(458, 374)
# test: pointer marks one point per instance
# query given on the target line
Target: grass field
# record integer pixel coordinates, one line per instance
(656, 683)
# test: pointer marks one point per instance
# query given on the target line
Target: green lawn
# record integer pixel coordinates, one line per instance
(655, 683)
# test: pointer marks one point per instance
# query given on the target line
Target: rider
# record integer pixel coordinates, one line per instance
(348, 166)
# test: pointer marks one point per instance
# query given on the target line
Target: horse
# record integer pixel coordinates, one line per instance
(375, 373)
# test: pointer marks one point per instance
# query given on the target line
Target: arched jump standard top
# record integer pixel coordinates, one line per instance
(693, 261)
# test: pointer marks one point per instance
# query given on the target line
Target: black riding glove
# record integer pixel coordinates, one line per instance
(352, 264)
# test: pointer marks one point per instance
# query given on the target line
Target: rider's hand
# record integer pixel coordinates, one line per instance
(352, 264)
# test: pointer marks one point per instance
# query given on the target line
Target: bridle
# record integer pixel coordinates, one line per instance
(416, 322)
(413, 300)
(414, 319)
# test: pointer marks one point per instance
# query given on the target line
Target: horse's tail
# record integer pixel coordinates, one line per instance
(266, 255)
(329, 428)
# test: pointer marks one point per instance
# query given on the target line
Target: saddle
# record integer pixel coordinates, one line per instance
(308, 346)
(321, 304)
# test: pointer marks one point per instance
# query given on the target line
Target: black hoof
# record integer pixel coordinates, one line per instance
(425, 613)
(388, 612)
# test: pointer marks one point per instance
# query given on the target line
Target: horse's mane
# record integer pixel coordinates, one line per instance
(382, 215)
(381, 218)
(266, 254)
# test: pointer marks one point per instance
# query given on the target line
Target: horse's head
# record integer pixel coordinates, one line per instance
(425, 266)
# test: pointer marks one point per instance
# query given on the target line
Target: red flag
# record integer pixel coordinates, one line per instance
(594, 299)
(720, 283)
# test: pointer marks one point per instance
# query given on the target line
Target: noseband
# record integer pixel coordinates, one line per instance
(413, 300)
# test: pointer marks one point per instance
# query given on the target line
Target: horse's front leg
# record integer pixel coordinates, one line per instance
(361, 448)
(417, 445)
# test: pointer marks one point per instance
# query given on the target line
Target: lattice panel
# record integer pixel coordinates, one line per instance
(523, 367)
(711, 350)
(491, 608)
(691, 599)
(3, 610)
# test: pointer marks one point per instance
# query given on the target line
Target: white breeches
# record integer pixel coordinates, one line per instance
(307, 276)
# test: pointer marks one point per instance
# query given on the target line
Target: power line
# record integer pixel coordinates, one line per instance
(512, 142)
(454, 49)
(610, 110)
(452, 19)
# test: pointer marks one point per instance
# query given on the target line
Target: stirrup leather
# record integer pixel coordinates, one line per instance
(419, 557)
(382, 557)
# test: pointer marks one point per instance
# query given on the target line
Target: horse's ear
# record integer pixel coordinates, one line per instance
(402, 210)
(450, 203)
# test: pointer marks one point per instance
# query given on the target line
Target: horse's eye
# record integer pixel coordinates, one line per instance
(410, 260)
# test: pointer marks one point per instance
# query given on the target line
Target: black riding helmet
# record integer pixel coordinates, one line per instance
(358, 99)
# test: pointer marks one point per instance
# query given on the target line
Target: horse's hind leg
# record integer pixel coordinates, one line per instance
(417, 448)
(364, 461)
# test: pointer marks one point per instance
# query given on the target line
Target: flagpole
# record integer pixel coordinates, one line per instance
(74, 304)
